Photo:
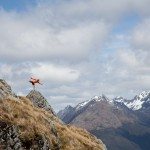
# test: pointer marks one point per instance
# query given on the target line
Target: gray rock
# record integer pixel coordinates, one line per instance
(38, 100)
(5, 90)
(9, 138)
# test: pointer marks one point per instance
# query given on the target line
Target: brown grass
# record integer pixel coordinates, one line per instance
(32, 122)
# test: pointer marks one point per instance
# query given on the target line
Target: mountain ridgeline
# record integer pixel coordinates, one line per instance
(122, 124)
(31, 123)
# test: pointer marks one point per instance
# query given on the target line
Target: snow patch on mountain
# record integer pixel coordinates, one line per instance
(137, 102)
(119, 99)
(94, 99)
(80, 105)
(97, 98)
(135, 105)
(143, 95)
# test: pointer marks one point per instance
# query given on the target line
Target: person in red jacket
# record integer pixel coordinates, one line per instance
(33, 81)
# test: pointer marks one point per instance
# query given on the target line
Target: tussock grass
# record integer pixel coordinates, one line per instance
(33, 121)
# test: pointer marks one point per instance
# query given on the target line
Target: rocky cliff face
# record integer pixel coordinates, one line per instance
(29, 123)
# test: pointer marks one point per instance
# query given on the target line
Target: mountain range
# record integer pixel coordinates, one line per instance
(121, 123)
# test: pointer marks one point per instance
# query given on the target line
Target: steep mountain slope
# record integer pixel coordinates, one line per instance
(119, 126)
(100, 114)
(24, 124)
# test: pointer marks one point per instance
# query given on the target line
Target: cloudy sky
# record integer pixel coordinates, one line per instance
(78, 48)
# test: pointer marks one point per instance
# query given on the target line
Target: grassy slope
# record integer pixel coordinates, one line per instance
(32, 122)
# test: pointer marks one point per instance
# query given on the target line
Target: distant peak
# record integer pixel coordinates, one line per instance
(137, 102)
(143, 94)
(68, 107)
(101, 98)
(119, 97)
(105, 97)
(82, 104)
(95, 97)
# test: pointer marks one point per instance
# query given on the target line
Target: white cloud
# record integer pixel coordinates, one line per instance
(141, 35)
(96, 9)
(23, 40)
(62, 101)
(127, 57)
(68, 31)
(51, 73)
(139, 41)
(52, 41)
(5, 70)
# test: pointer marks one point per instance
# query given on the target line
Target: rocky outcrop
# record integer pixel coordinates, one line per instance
(5, 90)
(39, 101)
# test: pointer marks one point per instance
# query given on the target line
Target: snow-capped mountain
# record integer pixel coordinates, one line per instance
(138, 102)
(93, 99)
(81, 105)
(69, 113)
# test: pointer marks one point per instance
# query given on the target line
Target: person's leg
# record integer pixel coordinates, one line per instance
(33, 86)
